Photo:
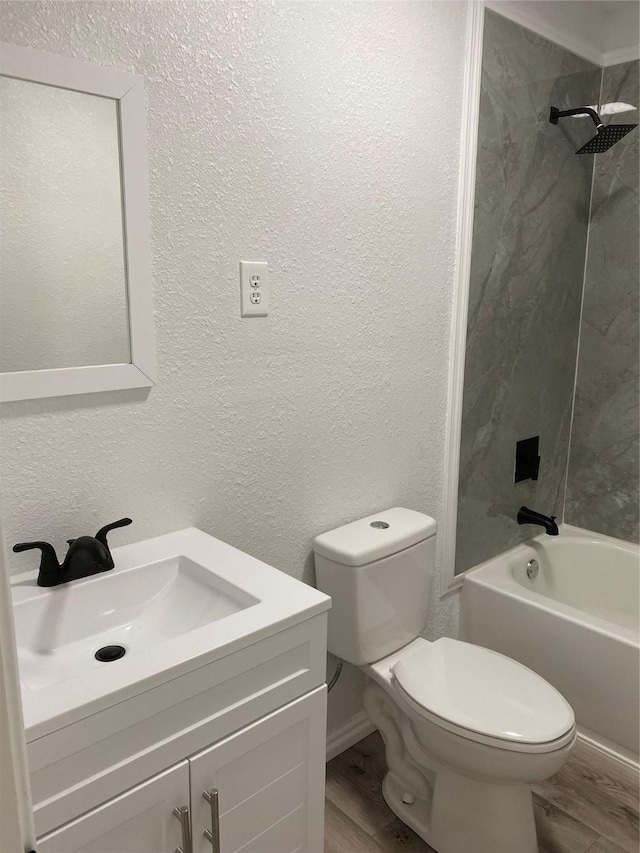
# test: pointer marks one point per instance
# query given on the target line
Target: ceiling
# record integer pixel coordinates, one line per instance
(603, 31)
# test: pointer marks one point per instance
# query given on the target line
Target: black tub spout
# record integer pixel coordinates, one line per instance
(530, 516)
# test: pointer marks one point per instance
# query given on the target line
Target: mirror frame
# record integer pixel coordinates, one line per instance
(128, 90)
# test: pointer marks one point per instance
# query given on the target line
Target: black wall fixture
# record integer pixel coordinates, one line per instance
(527, 459)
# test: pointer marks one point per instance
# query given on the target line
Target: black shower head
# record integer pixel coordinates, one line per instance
(604, 138)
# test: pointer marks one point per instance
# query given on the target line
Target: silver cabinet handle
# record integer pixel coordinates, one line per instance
(182, 814)
(214, 836)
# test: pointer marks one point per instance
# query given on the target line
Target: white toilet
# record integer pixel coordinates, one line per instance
(466, 730)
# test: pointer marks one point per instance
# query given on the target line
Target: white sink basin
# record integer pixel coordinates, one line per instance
(59, 630)
(173, 603)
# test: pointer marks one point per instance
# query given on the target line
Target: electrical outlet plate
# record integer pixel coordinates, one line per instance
(254, 289)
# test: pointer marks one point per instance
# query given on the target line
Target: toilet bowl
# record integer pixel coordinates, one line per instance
(466, 730)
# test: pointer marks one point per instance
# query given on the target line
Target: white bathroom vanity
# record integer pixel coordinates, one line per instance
(207, 735)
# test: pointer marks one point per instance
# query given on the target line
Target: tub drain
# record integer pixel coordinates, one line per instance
(108, 653)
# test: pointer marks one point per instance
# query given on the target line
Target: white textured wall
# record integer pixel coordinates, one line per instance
(62, 276)
(324, 138)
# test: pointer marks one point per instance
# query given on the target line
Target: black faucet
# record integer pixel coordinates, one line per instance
(87, 555)
(530, 516)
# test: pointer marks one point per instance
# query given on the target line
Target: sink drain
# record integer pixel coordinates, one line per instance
(108, 653)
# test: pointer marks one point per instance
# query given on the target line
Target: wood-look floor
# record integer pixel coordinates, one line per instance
(590, 806)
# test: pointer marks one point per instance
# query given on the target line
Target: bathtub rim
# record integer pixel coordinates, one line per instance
(495, 573)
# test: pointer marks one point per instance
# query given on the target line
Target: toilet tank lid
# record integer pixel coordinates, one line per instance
(375, 537)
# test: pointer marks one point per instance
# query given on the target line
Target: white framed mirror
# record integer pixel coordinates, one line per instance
(76, 309)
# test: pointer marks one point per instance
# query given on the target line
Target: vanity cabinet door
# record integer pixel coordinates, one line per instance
(270, 782)
(138, 821)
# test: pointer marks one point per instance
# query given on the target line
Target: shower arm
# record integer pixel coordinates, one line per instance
(580, 111)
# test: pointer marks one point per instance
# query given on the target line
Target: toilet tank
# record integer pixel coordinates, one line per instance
(378, 573)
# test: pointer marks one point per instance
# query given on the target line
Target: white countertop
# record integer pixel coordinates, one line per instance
(283, 601)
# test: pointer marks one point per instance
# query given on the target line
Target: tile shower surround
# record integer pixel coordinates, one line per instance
(527, 269)
(602, 484)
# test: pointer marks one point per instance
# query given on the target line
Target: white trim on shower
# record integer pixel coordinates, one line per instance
(466, 199)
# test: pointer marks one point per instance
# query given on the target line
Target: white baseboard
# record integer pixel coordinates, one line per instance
(361, 726)
(344, 737)
(610, 750)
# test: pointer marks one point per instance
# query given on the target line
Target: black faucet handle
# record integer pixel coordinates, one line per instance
(48, 560)
(101, 535)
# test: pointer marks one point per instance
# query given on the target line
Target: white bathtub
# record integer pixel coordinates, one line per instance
(576, 624)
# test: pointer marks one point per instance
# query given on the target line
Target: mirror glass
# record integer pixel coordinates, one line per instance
(63, 282)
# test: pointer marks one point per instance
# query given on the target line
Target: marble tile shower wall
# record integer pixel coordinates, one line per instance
(527, 267)
(602, 485)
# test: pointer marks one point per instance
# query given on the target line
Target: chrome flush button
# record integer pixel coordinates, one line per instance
(379, 525)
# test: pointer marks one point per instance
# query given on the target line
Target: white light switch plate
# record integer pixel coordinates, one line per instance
(254, 289)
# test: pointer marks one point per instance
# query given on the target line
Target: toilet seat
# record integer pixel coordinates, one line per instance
(483, 696)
